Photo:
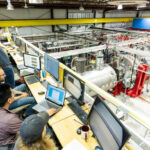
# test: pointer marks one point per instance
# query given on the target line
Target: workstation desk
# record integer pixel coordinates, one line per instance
(63, 123)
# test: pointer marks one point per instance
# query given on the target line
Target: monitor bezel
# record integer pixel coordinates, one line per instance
(98, 100)
(34, 56)
(82, 84)
(58, 67)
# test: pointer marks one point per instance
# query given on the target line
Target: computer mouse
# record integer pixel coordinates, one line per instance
(79, 131)
(41, 92)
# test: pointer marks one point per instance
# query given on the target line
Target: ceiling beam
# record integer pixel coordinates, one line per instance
(11, 23)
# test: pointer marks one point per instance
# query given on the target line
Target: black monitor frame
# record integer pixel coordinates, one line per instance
(82, 84)
(126, 134)
(57, 68)
(30, 66)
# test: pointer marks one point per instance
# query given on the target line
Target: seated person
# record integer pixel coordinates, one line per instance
(21, 97)
(9, 122)
(33, 133)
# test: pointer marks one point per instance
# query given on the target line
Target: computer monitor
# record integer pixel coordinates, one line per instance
(109, 131)
(75, 86)
(32, 61)
(51, 65)
(55, 94)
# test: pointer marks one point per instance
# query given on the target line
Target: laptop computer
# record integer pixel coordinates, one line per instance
(54, 98)
(35, 78)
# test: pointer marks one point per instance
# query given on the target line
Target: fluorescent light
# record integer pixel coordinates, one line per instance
(10, 6)
(25, 4)
(36, 1)
(119, 6)
(81, 8)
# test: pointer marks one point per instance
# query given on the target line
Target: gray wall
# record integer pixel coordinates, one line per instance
(23, 13)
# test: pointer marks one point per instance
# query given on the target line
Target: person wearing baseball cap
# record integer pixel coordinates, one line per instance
(33, 133)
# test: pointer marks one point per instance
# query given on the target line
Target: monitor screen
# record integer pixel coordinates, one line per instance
(51, 65)
(32, 61)
(75, 86)
(109, 131)
(55, 94)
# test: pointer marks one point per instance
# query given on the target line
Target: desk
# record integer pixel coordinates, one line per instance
(66, 130)
(64, 113)
(63, 122)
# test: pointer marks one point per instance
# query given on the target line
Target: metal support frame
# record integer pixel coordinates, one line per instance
(137, 14)
(52, 17)
(103, 16)
(67, 15)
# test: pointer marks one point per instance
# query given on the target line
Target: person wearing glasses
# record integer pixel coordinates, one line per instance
(21, 96)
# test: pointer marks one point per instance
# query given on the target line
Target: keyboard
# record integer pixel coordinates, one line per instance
(48, 105)
(31, 80)
(80, 113)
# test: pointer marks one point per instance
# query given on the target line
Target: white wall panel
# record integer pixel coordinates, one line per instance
(34, 30)
(122, 14)
(78, 11)
(24, 14)
(145, 14)
(59, 13)
(27, 14)
(99, 13)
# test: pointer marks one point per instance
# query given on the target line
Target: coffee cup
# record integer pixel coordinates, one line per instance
(84, 131)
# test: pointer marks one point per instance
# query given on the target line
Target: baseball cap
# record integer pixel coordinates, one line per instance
(32, 127)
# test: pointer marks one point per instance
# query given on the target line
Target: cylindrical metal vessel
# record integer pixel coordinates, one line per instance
(105, 79)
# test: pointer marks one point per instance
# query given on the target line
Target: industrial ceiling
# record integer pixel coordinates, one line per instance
(75, 4)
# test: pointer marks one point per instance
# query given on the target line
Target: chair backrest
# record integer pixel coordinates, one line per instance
(109, 131)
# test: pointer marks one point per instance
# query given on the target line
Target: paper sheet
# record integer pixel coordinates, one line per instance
(74, 145)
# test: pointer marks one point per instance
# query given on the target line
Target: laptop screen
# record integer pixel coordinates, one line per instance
(55, 94)
(37, 74)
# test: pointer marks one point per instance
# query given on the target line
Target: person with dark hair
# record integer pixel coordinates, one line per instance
(33, 133)
(21, 97)
(6, 65)
(9, 122)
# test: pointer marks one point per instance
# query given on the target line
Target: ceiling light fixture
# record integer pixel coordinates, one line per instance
(81, 8)
(25, 4)
(119, 6)
(9, 5)
(36, 1)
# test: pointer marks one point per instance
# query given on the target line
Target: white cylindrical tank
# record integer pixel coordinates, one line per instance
(105, 78)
